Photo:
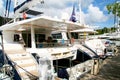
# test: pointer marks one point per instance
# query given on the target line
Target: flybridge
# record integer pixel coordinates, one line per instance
(25, 7)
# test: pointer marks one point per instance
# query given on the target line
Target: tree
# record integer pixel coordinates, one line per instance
(4, 20)
(114, 8)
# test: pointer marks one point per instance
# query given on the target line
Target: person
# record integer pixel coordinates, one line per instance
(49, 39)
(72, 40)
(63, 41)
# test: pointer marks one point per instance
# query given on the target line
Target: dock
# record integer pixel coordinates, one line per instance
(110, 70)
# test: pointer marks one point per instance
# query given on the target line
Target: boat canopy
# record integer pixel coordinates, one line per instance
(42, 22)
(87, 30)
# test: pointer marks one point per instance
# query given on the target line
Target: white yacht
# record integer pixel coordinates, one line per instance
(28, 42)
(42, 48)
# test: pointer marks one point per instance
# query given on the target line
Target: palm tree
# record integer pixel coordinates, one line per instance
(114, 8)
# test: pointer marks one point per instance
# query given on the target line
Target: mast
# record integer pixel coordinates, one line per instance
(78, 10)
(15, 5)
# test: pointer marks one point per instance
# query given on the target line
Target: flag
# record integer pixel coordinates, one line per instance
(24, 15)
(73, 18)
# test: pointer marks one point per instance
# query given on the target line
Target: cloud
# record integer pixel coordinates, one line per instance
(1, 8)
(60, 8)
(1, 4)
(63, 9)
(95, 15)
(86, 3)
(53, 7)
(56, 7)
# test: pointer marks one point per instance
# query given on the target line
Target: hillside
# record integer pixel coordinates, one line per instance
(106, 30)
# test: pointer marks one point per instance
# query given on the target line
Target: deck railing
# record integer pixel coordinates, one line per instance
(62, 43)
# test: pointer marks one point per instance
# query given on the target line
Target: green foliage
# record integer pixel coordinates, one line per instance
(106, 30)
(4, 20)
(114, 8)
(1, 20)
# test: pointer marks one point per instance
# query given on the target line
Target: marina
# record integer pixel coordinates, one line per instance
(41, 47)
(109, 66)
(56, 52)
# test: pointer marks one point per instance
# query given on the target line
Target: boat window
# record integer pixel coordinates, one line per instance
(27, 39)
(81, 37)
(68, 36)
(16, 37)
(82, 56)
(57, 36)
(49, 39)
(40, 38)
(74, 35)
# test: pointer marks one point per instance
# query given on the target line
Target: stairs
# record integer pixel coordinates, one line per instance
(25, 64)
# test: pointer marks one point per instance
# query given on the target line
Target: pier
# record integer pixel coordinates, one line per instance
(109, 70)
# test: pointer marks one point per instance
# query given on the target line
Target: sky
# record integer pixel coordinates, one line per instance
(93, 12)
